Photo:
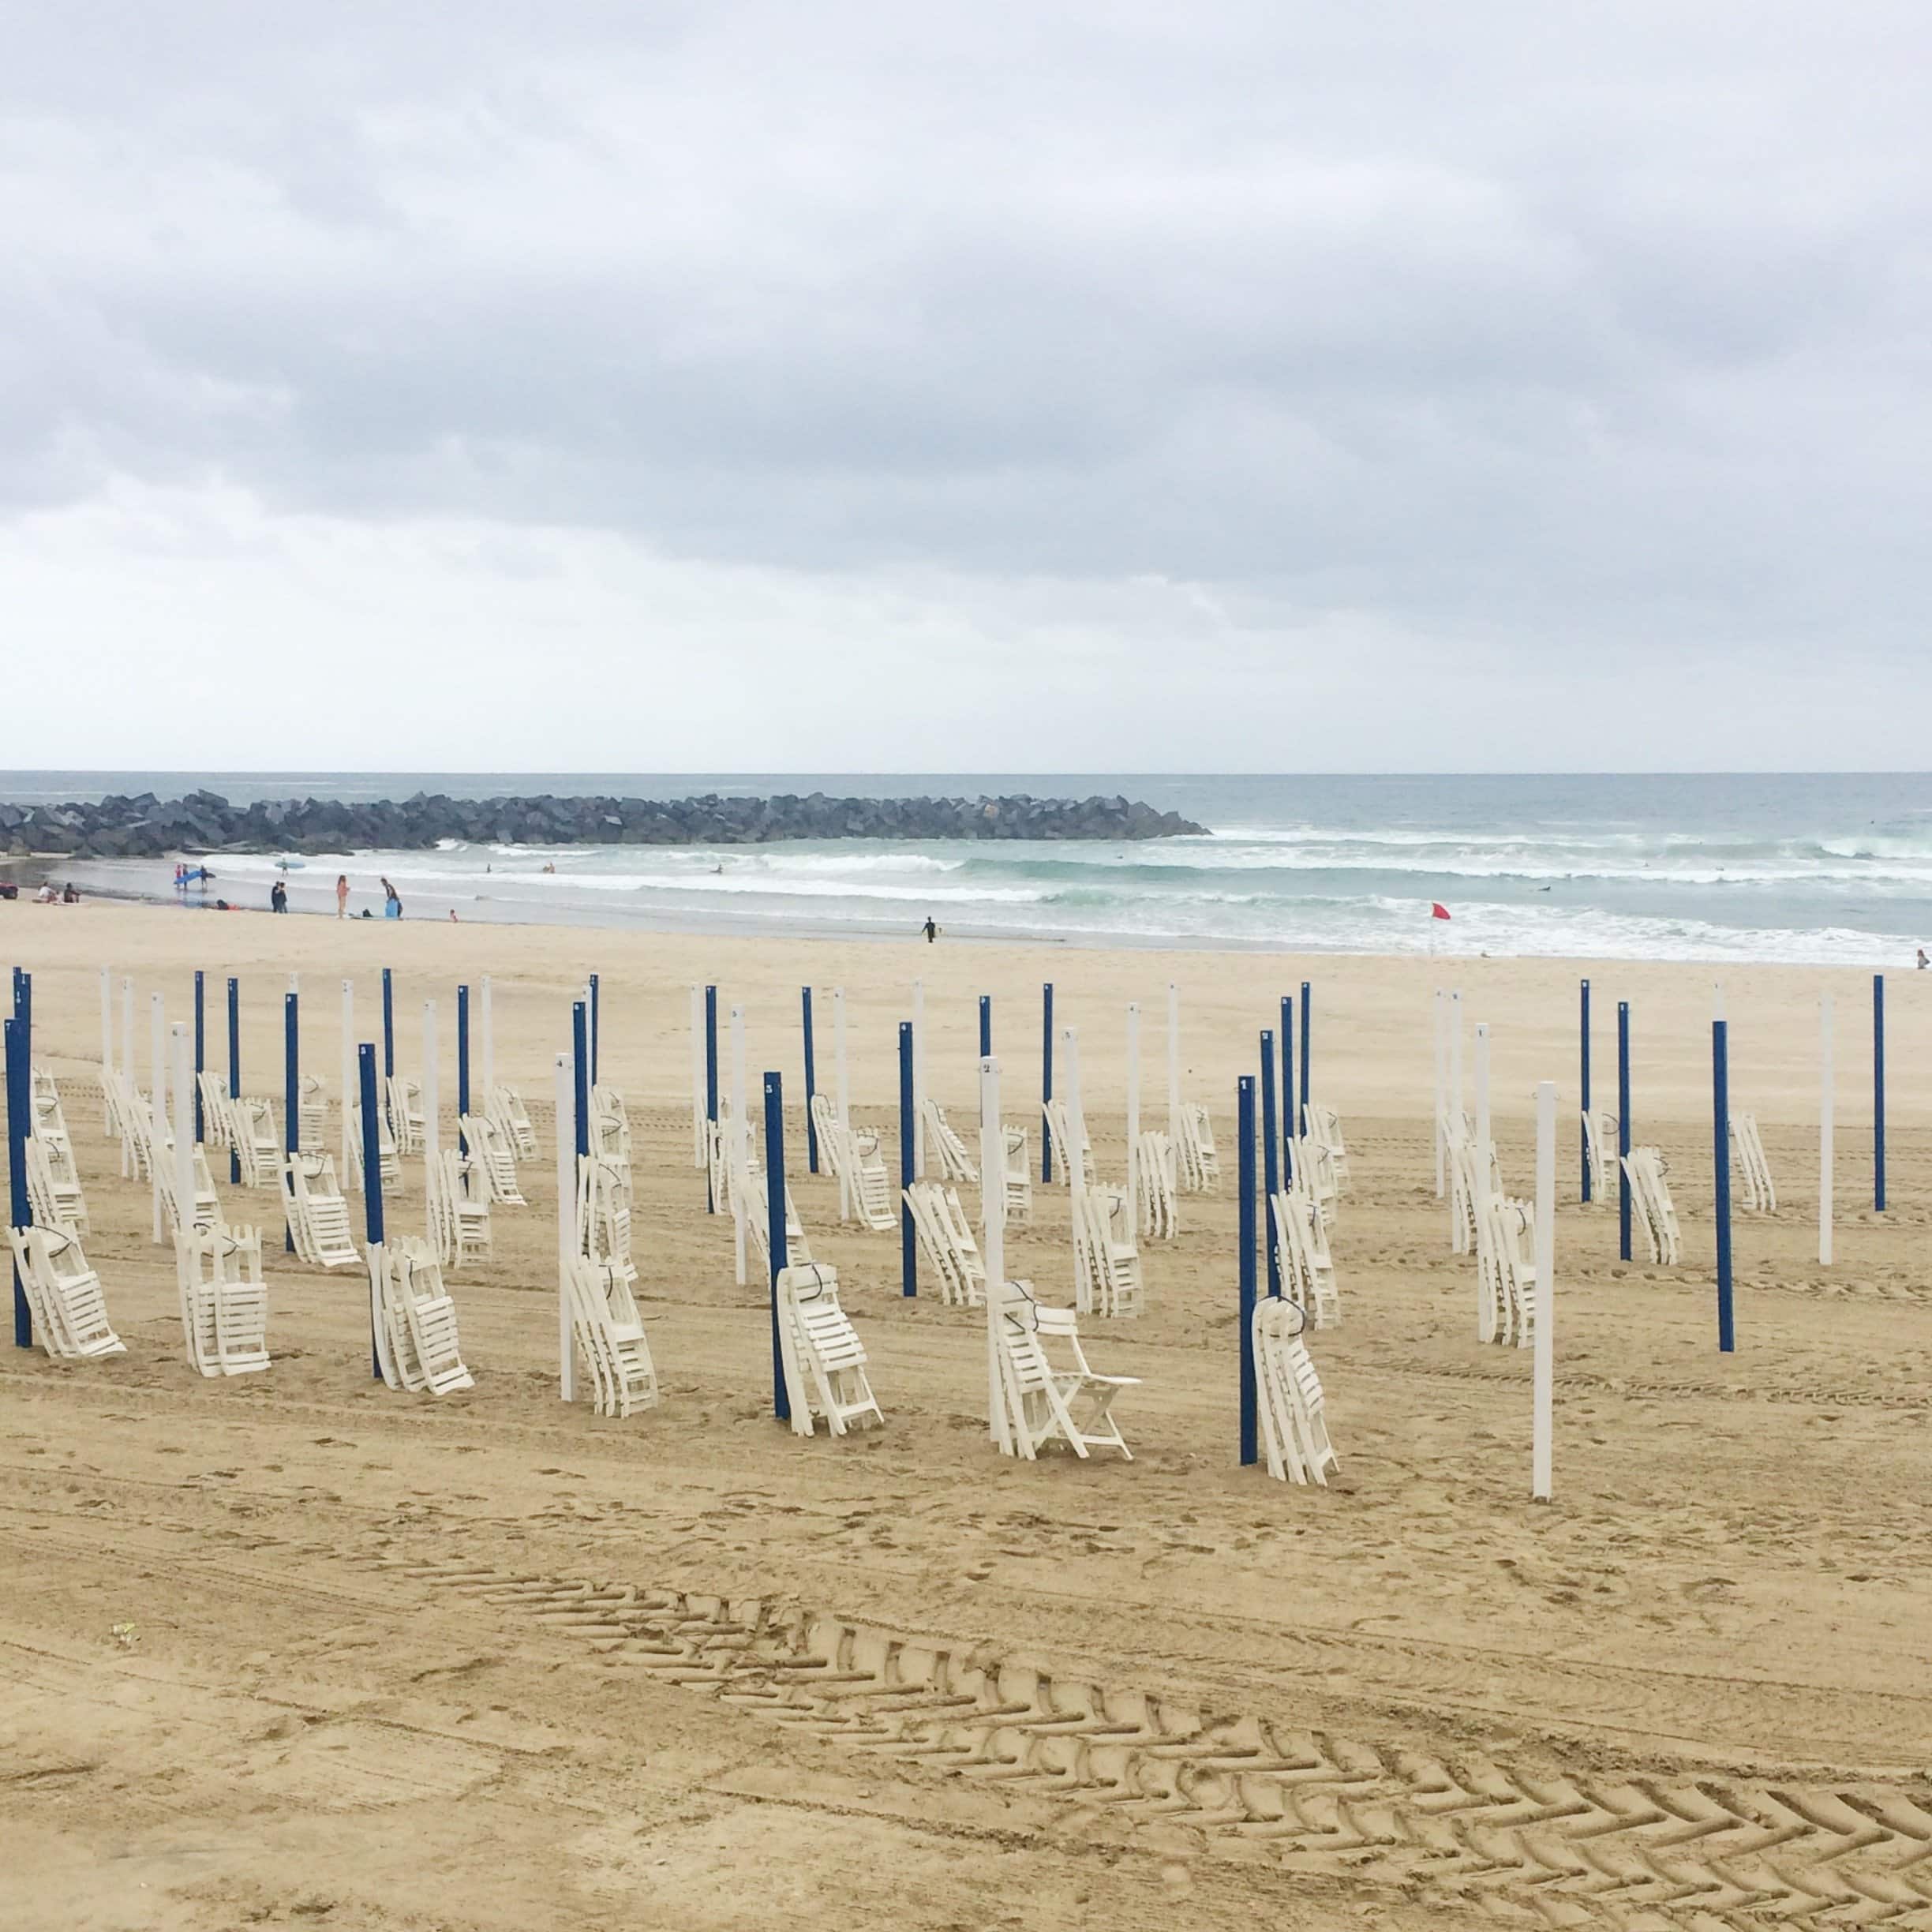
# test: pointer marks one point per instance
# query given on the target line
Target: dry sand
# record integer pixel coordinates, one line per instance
(490, 1662)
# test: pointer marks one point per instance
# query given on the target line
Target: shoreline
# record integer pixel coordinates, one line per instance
(107, 880)
(658, 924)
(1100, 955)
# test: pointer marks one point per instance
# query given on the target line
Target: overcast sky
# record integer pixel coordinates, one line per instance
(936, 387)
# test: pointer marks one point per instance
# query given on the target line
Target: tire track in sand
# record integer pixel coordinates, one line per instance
(1583, 1849)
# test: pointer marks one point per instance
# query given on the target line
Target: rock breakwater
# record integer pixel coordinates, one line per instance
(146, 826)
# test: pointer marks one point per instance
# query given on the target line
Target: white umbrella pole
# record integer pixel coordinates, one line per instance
(1544, 1373)
(1825, 1132)
(184, 1133)
(993, 1167)
(158, 1116)
(740, 1140)
(565, 1088)
(918, 1080)
(348, 1078)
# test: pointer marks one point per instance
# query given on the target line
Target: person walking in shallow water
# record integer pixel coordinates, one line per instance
(342, 895)
(929, 930)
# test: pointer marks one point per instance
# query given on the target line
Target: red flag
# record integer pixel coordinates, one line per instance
(1438, 911)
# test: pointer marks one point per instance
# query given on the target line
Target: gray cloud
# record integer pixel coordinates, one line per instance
(1499, 323)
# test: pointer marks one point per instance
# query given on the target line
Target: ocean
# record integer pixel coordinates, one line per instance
(1812, 868)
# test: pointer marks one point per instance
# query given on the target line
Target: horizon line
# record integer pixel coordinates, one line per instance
(375, 771)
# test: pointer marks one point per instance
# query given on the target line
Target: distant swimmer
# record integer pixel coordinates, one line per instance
(929, 930)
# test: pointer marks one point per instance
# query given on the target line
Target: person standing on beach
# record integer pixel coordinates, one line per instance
(277, 898)
(392, 903)
(929, 930)
(342, 895)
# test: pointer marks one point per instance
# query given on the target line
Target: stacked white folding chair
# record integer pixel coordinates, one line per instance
(1747, 1150)
(610, 1337)
(460, 1214)
(955, 1162)
(1307, 1273)
(417, 1346)
(50, 1117)
(56, 1200)
(831, 1141)
(48, 1129)
(63, 1295)
(388, 1161)
(1200, 1158)
(1294, 1432)
(217, 1122)
(224, 1302)
(1506, 1266)
(493, 1158)
(315, 1110)
(946, 1236)
(114, 1097)
(872, 1192)
(402, 1116)
(717, 1151)
(1062, 1134)
(1312, 1172)
(1155, 1180)
(317, 1211)
(204, 1210)
(603, 1215)
(1045, 1400)
(1599, 1141)
(137, 1133)
(1323, 1125)
(63, 1171)
(1107, 1260)
(440, 1211)
(504, 1105)
(1493, 1296)
(257, 1144)
(1019, 1176)
(1645, 1170)
(758, 1215)
(610, 1123)
(1466, 1188)
(823, 1360)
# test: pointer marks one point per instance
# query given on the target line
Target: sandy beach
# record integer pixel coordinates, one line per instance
(297, 1650)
